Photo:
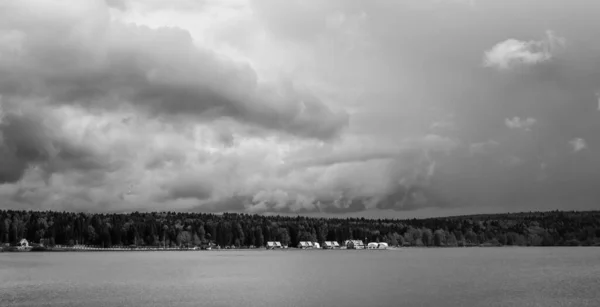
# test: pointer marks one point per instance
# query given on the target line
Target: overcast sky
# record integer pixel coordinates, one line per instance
(372, 108)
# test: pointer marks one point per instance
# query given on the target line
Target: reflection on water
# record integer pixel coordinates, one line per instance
(411, 277)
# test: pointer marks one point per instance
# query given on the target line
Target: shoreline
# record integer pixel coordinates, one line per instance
(79, 250)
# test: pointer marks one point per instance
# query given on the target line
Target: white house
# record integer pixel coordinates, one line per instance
(316, 245)
(331, 245)
(373, 245)
(354, 244)
(382, 245)
(273, 245)
(305, 244)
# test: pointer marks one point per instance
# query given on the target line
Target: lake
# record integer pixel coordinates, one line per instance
(407, 277)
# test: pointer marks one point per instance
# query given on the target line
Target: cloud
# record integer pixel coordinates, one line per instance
(28, 139)
(578, 144)
(118, 4)
(245, 106)
(190, 186)
(512, 52)
(343, 179)
(123, 160)
(518, 123)
(159, 71)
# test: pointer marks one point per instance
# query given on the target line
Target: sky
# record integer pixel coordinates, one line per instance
(372, 108)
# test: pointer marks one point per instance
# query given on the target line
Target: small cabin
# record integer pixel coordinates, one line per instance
(354, 244)
(328, 245)
(382, 245)
(274, 245)
(373, 245)
(316, 245)
(331, 245)
(305, 245)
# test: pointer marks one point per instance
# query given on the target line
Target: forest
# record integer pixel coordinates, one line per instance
(176, 229)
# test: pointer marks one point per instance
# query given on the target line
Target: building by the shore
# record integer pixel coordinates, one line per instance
(354, 244)
(377, 245)
(331, 245)
(305, 245)
(274, 245)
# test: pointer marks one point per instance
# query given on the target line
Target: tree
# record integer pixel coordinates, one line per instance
(285, 237)
(258, 235)
(201, 233)
(91, 235)
(414, 236)
(439, 238)
(471, 237)
(451, 240)
(427, 237)
(196, 240)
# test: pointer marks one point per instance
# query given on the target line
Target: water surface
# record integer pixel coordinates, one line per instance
(410, 277)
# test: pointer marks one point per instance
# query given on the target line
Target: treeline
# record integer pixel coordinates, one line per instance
(174, 229)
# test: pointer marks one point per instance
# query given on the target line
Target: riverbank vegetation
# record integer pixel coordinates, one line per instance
(175, 229)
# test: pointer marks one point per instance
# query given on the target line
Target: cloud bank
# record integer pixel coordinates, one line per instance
(344, 107)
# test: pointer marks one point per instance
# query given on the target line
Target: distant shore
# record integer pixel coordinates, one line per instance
(63, 249)
(155, 230)
(15, 250)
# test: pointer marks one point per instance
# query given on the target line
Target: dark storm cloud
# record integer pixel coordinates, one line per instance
(402, 198)
(106, 64)
(27, 138)
(188, 186)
